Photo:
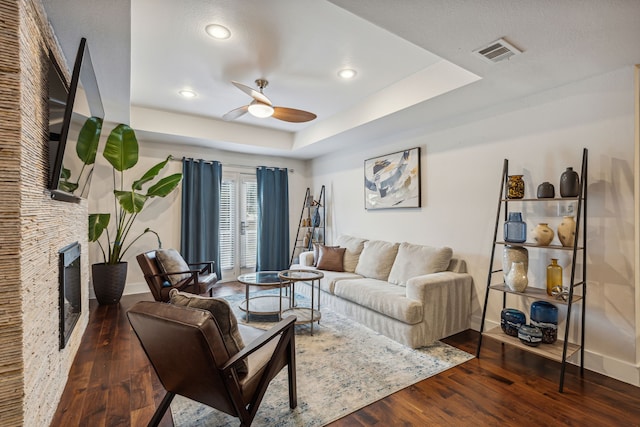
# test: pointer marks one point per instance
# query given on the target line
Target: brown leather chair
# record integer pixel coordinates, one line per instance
(199, 282)
(186, 348)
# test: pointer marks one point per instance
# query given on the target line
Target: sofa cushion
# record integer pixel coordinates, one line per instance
(223, 315)
(377, 259)
(330, 258)
(417, 260)
(382, 297)
(170, 261)
(328, 282)
(353, 246)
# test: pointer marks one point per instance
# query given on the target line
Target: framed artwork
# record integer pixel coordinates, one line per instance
(393, 180)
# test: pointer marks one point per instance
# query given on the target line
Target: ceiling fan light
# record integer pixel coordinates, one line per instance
(260, 109)
(347, 73)
(218, 31)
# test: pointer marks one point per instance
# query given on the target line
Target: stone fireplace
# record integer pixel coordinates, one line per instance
(34, 227)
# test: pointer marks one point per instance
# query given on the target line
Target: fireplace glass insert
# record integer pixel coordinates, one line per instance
(70, 285)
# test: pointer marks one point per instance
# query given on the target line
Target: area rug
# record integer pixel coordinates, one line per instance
(343, 367)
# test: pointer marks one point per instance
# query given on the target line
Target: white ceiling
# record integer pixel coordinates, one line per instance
(414, 59)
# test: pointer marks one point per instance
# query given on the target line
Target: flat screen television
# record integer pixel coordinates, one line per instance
(75, 124)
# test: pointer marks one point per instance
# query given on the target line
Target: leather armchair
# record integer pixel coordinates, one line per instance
(199, 282)
(172, 335)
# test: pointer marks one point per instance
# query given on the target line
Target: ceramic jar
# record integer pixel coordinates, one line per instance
(546, 191)
(515, 187)
(516, 279)
(567, 231)
(511, 254)
(511, 320)
(544, 315)
(530, 335)
(569, 183)
(515, 230)
(554, 277)
(542, 234)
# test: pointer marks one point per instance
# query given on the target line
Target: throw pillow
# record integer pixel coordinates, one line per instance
(417, 260)
(222, 313)
(377, 259)
(171, 261)
(316, 252)
(330, 258)
(354, 246)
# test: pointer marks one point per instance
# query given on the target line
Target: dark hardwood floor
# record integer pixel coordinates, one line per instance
(112, 384)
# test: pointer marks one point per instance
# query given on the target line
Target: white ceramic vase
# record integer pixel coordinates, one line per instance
(542, 234)
(516, 279)
(567, 231)
(511, 254)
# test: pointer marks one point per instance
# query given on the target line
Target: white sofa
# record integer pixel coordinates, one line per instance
(413, 294)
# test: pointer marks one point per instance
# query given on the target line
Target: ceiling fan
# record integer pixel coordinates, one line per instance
(262, 107)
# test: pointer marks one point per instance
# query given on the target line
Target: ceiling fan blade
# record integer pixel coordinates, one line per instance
(252, 93)
(292, 115)
(234, 114)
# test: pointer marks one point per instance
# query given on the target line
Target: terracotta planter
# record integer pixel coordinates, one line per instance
(108, 282)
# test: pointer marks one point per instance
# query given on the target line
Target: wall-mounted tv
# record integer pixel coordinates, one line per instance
(75, 123)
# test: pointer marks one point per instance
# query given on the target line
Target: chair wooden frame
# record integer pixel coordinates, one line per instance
(236, 395)
(154, 276)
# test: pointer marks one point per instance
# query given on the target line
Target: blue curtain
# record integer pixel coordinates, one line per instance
(273, 219)
(200, 235)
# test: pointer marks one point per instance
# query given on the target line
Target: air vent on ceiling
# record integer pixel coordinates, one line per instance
(497, 51)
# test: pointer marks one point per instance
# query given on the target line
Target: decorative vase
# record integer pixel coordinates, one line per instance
(316, 218)
(511, 320)
(108, 282)
(515, 230)
(542, 234)
(530, 335)
(554, 277)
(546, 191)
(569, 183)
(517, 280)
(511, 254)
(544, 315)
(515, 187)
(567, 231)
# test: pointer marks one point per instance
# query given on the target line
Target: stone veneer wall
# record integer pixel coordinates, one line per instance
(33, 227)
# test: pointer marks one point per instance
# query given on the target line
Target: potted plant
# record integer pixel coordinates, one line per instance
(121, 151)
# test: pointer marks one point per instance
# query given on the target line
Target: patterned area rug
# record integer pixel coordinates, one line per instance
(343, 367)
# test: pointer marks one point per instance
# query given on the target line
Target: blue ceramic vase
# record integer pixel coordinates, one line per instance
(515, 230)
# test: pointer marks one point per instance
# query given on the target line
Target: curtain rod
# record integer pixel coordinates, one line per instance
(230, 165)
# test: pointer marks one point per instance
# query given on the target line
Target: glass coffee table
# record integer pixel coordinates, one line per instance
(264, 304)
(309, 314)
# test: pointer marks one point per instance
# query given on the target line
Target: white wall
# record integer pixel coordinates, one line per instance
(163, 215)
(461, 165)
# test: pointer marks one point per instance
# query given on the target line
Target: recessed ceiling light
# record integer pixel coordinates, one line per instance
(347, 73)
(186, 93)
(218, 31)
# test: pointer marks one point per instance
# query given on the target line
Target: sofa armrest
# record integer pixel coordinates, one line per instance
(306, 259)
(446, 299)
(421, 287)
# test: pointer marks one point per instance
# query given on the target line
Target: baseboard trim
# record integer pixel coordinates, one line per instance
(129, 289)
(600, 363)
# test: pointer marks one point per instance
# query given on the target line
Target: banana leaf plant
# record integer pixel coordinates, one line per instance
(121, 151)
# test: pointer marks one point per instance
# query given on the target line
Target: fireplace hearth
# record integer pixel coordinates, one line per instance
(69, 274)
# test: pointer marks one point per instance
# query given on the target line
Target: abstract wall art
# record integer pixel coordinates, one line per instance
(393, 180)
